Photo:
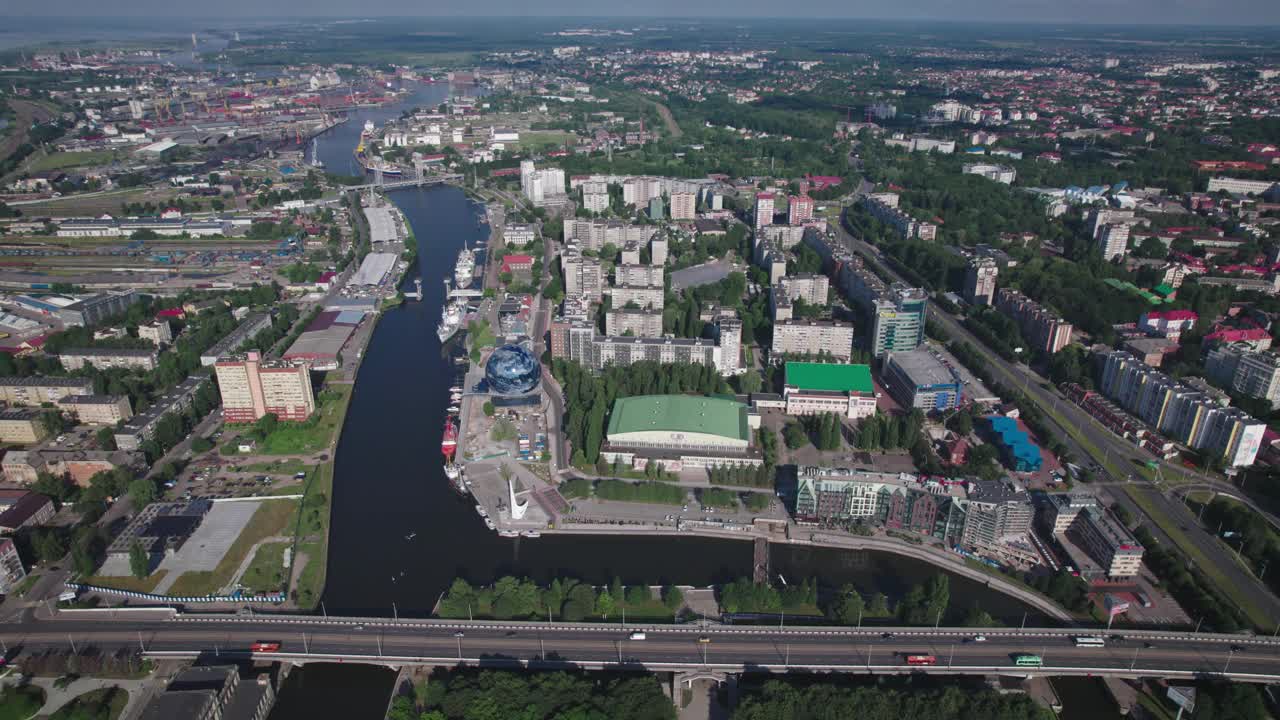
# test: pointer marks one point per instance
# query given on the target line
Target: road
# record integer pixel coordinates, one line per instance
(665, 647)
(1115, 450)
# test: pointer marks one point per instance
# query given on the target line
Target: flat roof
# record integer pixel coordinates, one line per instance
(923, 368)
(836, 377)
(373, 269)
(680, 413)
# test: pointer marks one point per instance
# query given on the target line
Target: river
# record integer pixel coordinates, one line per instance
(400, 535)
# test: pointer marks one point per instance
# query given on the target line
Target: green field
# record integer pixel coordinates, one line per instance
(540, 139)
(266, 572)
(63, 160)
(315, 435)
(102, 704)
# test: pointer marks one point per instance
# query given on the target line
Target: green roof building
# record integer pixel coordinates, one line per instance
(830, 376)
(678, 422)
(815, 388)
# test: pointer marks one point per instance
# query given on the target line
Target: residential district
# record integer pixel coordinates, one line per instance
(1004, 309)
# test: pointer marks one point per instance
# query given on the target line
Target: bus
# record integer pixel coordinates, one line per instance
(1028, 660)
(922, 660)
(265, 646)
(1090, 641)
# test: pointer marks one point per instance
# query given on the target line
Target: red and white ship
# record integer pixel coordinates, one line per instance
(449, 445)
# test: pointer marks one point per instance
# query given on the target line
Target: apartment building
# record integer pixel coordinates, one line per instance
(799, 210)
(158, 332)
(764, 209)
(997, 512)
(980, 281)
(1258, 376)
(583, 276)
(798, 337)
(96, 308)
(639, 323)
(21, 426)
(884, 207)
(1238, 186)
(1113, 240)
(37, 390)
(244, 333)
(97, 409)
(12, 573)
(1180, 411)
(142, 427)
(646, 275)
(813, 288)
(595, 234)
(519, 235)
(103, 358)
(896, 312)
(1044, 329)
(643, 296)
(252, 387)
(684, 205)
(897, 500)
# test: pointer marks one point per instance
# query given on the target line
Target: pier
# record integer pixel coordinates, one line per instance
(760, 561)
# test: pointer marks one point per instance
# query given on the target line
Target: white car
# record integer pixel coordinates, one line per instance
(979, 638)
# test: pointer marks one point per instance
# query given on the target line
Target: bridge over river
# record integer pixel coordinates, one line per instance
(666, 648)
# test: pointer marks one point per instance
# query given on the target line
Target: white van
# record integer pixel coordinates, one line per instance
(637, 636)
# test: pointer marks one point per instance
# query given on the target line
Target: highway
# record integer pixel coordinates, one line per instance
(664, 647)
(1115, 450)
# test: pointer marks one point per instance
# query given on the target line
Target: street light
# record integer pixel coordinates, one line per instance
(1227, 664)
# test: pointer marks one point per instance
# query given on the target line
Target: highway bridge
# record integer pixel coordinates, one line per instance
(407, 183)
(690, 647)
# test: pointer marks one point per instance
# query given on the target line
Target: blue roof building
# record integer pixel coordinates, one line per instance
(1016, 449)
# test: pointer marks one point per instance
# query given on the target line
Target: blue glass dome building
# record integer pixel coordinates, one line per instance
(512, 370)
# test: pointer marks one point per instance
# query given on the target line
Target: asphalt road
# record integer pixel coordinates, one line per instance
(1115, 449)
(665, 647)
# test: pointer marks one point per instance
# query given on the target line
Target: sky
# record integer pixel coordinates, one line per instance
(1218, 12)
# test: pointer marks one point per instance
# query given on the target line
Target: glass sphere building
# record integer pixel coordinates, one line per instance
(512, 370)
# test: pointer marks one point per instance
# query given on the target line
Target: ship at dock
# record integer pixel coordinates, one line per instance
(465, 269)
(451, 315)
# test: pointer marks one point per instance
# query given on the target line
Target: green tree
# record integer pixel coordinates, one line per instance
(106, 438)
(143, 492)
(139, 561)
(488, 408)
(795, 436)
(604, 603)
(672, 597)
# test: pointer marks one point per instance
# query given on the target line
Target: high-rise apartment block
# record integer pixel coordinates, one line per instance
(659, 248)
(638, 296)
(583, 276)
(684, 205)
(252, 387)
(639, 323)
(595, 234)
(896, 312)
(541, 186)
(764, 209)
(799, 210)
(1113, 240)
(1181, 412)
(813, 288)
(884, 207)
(1042, 328)
(638, 275)
(798, 337)
(980, 281)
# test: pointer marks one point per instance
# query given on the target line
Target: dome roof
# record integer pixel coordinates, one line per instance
(512, 370)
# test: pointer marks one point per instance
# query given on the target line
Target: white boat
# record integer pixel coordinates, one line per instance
(452, 470)
(464, 271)
(454, 409)
(483, 513)
(489, 524)
(508, 533)
(450, 320)
(531, 534)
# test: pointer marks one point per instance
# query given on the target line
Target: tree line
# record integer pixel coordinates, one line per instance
(501, 694)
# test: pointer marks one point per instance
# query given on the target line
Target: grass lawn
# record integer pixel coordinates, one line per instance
(103, 704)
(92, 205)
(266, 572)
(315, 435)
(271, 518)
(290, 466)
(128, 582)
(20, 703)
(63, 160)
(538, 139)
(1242, 599)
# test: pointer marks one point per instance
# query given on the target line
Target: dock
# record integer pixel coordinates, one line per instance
(760, 561)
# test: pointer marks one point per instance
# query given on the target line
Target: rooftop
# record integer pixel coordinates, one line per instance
(830, 376)
(680, 413)
(922, 368)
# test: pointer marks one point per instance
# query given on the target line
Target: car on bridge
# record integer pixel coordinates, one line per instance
(265, 646)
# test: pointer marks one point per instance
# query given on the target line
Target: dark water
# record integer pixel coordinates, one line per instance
(1085, 699)
(335, 147)
(333, 690)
